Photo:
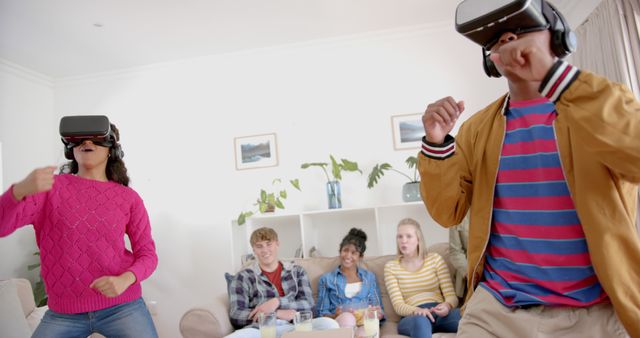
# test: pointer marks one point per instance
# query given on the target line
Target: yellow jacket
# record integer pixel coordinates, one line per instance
(598, 136)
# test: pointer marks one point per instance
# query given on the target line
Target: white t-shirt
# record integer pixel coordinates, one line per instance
(352, 289)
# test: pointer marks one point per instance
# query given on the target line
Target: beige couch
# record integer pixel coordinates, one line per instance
(212, 321)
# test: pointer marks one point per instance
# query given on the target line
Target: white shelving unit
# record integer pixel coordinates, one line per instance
(324, 229)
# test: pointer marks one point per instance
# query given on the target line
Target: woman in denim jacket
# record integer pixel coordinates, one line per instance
(345, 292)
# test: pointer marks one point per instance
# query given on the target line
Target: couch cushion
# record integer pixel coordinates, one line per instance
(12, 319)
(34, 318)
(316, 267)
(442, 249)
(390, 330)
(376, 264)
(228, 277)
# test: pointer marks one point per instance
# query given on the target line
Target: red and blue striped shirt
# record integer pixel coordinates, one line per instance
(537, 252)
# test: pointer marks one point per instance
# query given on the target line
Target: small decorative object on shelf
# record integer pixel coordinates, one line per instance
(411, 189)
(268, 201)
(333, 185)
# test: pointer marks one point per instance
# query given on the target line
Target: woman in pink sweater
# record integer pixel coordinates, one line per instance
(80, 219)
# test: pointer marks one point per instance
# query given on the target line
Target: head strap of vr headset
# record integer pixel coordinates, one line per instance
(563, 40)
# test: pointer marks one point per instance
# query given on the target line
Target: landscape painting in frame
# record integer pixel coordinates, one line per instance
(407, 131)
(256, 151)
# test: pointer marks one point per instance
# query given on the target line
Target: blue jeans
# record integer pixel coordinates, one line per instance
(422, 327)
(282, 326)
(126, 320)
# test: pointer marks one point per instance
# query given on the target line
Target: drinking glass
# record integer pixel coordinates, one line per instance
(371, 322)
(357, 308)
(267, 323)
(302, 321)
(373, 300)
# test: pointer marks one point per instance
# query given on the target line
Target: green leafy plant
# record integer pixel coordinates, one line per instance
(39, 293)
(336, 167)
(379, 169)
(268, 201)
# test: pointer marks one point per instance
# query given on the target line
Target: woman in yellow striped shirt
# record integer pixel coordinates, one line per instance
(419, 286)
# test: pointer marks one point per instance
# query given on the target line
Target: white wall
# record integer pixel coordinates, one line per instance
(28, 136)
(178, 122)
(334, 96)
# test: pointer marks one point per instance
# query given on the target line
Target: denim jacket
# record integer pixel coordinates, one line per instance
(331, 291)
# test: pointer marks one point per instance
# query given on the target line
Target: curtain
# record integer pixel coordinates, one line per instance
(609, 42)
(609, 45)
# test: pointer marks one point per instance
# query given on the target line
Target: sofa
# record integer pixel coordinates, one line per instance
(212, 320)
(19, 315)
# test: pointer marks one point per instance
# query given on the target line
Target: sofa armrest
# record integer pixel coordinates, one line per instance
(211, 321)
(25, 294)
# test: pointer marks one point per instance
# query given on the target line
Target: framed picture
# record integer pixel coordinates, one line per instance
(256, 151)
(407, 131)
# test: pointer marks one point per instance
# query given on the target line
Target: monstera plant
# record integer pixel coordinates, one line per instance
(411, 189)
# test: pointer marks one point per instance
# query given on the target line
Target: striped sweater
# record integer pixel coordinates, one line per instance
(408, 290)
(537, 252)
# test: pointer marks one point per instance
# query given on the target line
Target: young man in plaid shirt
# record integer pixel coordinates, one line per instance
(270, 285)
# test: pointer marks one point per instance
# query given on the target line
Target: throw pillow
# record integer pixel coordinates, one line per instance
(228, 277)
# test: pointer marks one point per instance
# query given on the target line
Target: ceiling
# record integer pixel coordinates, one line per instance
(66, 38)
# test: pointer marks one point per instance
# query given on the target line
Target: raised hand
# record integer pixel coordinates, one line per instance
(440, 118)
(39, 180)
(113, 286)
(527, 57)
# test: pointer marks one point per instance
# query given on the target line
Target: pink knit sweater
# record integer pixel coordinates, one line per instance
(80, 226)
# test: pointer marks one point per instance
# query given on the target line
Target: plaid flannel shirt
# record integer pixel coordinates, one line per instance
(250, 288)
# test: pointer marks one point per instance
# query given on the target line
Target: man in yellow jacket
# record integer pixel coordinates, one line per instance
(550, 174)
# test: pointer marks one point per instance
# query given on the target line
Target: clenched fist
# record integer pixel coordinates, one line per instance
(526, 57)
(39, 180)
(113, 286)
(440, 117)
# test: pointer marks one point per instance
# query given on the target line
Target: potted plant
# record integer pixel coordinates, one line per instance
(411, 189)
(268, 201)
(39, 293)
(333, 185)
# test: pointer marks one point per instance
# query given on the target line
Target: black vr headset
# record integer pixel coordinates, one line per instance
(484, 21)
(96, 128)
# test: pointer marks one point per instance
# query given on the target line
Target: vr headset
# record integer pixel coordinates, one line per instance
(74, 130)
(484, 21)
